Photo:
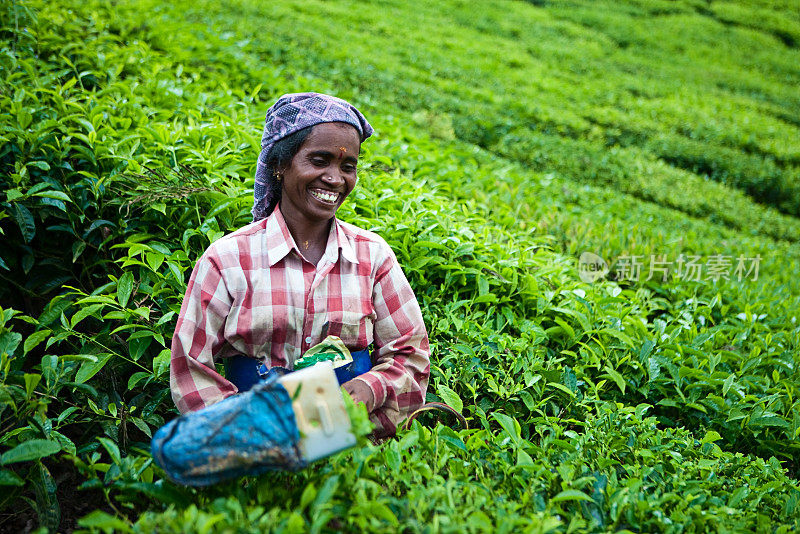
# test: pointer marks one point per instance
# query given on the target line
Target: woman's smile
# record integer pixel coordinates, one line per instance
(324, 196)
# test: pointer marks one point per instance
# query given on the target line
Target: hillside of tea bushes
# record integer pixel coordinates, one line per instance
(511, 138)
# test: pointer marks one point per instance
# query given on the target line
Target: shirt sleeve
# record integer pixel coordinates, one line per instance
(199, 336)
(399, 376)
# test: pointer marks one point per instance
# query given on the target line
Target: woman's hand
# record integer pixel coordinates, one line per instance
(360, 392)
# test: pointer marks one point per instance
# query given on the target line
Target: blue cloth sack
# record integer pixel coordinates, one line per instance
(245, 434)
(361, 364)
(246, 372)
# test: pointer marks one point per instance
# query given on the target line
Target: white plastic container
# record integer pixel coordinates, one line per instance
(319, 410)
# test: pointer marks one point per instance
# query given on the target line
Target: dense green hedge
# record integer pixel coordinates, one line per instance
(506, 147)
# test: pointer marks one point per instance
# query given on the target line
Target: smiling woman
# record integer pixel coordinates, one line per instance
(278, 286)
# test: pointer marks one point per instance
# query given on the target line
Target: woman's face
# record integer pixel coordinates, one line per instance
(321, 174)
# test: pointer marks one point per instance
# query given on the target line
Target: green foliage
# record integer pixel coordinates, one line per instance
(506, 146)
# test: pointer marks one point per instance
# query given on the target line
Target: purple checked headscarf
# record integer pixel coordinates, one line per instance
(293, 112)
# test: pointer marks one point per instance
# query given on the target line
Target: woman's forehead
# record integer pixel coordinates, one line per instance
(337, 137)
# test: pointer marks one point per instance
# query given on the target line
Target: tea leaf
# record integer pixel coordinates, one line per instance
(90, 368)
(124, 288)
(25, 222)
(450, 397)
(30, 450)
(571, 495)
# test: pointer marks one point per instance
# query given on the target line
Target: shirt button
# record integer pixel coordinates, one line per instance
(308, 340)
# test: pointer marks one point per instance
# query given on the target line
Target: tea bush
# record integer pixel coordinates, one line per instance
(506, 147)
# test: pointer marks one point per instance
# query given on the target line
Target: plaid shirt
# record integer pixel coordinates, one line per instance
(252, 293)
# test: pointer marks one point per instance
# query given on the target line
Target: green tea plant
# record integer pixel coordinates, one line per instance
(506, 147)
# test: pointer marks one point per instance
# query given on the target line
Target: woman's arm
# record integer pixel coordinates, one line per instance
(199, 335)
(399, 378)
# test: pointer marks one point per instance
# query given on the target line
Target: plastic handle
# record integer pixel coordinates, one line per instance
(325, 418)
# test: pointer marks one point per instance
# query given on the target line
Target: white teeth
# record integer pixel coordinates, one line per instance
(325, 196)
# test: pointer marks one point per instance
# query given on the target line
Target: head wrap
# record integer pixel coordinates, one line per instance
(293, 112)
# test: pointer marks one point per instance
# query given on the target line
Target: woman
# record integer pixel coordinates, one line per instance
(278, 286)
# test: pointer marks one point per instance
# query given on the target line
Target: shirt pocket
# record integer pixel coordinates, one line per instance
(355, 332)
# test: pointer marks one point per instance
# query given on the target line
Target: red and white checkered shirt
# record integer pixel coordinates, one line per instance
(252, 293)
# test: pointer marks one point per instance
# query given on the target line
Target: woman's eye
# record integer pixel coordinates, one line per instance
(349, 168)
(319, 162)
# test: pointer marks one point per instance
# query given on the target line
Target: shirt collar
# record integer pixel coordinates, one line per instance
(280, 241)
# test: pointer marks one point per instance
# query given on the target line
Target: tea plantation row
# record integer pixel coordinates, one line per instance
(506, 147)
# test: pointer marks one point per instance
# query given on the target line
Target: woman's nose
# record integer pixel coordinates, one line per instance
(333, 177)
